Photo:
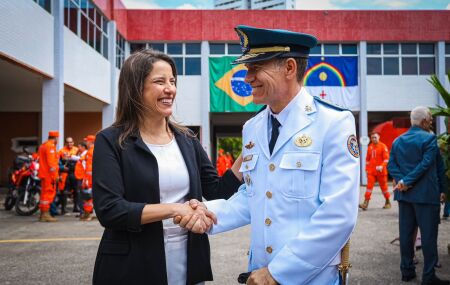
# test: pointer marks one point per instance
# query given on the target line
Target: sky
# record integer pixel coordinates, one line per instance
(303, 4)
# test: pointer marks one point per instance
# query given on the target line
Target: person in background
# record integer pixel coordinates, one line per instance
(48, 173)
(80, 172)
(67, 181)
(377, 159)
(86, 189)
(414, 164)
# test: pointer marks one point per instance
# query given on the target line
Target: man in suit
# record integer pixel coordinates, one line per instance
(300, 168)
(415, 164)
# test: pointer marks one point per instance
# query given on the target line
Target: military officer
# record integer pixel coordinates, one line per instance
(300, 168)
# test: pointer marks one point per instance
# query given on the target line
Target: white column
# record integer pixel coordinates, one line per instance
(53, 89)
(363, 120)
(109, 111)
(440, 72)
(205, 124)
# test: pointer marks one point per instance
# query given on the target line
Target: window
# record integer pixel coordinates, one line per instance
(175, 49)
(120, 50)
(193, 66)
(185, 55)
(331, 48)
(234, 49)
(316, 50)
(159, 47)
(409, 65)
(46, 4)
(373, 48)
(84, 19)
(194, 48)
(137, 47)
(373, 66)
(334, 49)
(426, 66)
(216, 48)
(390, 66)
(403, 58)
(349, 49)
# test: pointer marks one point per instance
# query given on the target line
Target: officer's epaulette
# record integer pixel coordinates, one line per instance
(329, 104)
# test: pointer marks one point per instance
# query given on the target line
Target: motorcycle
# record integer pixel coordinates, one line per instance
(28, 188)
(14, 175)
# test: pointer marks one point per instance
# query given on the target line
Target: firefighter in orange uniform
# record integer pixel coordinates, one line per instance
(48, 173)
(67, 180)
(221, 163)
(79, 173)
(86, 191)
(376, 168)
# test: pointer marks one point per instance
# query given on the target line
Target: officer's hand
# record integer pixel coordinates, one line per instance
(379, 168)
(261, 277)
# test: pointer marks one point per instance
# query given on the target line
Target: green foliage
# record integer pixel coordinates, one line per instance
(232, 145)
(443, 139)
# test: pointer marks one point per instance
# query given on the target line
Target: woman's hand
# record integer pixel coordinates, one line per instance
(199, 220)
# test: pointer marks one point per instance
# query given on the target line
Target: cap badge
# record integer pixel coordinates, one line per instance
(243, 39)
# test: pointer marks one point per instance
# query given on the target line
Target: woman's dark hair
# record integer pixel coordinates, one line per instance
(130, 107)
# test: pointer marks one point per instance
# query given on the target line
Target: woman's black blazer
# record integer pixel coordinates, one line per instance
(124, 180)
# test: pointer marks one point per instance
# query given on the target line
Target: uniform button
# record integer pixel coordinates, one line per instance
(269, 249)
(299, 164)
(269, 194)
(268, 222)
(271, 167)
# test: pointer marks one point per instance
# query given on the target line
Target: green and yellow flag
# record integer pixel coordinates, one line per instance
(228, 90)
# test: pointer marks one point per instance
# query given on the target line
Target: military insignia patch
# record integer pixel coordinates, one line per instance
(352, 145)
(308, 108)
(249, 145)
(248, 157)
(303, 141)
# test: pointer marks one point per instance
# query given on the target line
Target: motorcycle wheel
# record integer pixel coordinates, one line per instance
(30, 207)
(10, 200)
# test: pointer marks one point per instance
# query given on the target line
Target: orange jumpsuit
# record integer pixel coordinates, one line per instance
(80, 167)
(88, 205)
(65, 152)
(48, 173)
(377, 155)
(221, 164)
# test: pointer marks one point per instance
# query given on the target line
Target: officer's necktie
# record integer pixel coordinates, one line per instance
(275, 133)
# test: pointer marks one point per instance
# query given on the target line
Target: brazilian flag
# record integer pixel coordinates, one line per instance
(228, 90)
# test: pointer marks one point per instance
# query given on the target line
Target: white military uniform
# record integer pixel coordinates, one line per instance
(301, 201)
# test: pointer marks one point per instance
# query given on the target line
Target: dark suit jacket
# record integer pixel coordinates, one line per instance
(124, 180)
(416, 160)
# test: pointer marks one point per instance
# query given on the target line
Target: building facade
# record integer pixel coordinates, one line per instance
(254, 4)
(60, 63)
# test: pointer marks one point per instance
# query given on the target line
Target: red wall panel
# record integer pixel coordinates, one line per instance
(328, 26)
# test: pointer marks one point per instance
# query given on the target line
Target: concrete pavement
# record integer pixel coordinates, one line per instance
(64, 252)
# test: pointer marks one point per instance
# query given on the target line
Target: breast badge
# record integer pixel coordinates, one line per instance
(303, 141)
(249, 145)
(248, 157)
(352, 145)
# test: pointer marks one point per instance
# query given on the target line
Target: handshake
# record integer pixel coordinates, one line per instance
(195, 217)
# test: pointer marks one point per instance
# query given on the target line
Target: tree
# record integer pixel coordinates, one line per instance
(443, 139)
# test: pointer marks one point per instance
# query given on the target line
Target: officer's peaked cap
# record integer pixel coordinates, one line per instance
(263, 44)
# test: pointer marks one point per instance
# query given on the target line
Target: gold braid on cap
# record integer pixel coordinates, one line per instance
(269, 49)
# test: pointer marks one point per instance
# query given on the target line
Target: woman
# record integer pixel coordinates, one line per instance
(145, 167)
